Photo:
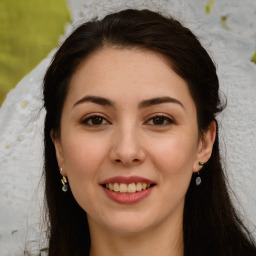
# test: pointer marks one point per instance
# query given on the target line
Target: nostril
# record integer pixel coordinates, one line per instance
(127, 161)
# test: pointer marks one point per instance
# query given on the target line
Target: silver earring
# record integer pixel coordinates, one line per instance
(198, 178)
(64, 182)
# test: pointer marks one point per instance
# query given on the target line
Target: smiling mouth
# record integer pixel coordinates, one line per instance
(127, 188)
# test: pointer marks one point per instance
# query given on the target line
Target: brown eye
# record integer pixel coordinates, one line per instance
(160, 121)
(95, 120)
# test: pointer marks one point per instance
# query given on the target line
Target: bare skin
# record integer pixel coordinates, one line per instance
(128, 114)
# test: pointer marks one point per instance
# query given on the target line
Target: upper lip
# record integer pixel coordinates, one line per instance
(127, 180)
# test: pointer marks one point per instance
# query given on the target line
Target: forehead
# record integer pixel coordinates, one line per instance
(126, 73)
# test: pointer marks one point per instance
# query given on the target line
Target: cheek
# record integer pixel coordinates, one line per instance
(175, 152)
(175, 172)
(174, 159)
(83, 152)
(83, 156)
(83, 159)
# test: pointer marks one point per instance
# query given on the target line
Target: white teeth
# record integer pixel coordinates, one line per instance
(110, 186)
(132, 188)
(123, 188)
(116, 187)
(139, 186)
(127, 188)
(144, 185)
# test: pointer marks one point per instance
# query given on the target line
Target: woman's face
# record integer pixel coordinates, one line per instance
(129, 140)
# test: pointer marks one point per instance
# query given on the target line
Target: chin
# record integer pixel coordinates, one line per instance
(128, 228)
(128, 223)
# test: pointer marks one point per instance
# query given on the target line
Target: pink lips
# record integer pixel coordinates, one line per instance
(127, 198)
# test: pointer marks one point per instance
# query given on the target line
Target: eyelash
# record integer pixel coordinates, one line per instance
(88, 121)
(92, 118)
(166, 120)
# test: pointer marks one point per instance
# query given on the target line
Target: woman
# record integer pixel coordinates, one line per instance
(131, 102)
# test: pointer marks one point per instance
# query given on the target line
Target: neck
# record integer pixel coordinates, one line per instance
(164, 240)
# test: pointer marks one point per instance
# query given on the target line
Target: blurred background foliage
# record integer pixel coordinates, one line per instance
(29, 30)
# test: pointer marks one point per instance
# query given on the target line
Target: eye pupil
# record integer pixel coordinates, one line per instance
(97, 120)
(158, 120)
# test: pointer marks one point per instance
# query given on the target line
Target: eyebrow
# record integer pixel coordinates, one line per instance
(95, 99)
(143, 104)
(159, 100)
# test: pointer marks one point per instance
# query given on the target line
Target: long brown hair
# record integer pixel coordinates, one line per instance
(211, 225)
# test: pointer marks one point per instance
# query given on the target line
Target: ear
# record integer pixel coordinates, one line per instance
(58, 149)
(205, 146)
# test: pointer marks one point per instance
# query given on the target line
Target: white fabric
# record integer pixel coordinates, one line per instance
(21, 117)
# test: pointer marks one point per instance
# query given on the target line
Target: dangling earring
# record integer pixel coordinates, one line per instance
(198, 178)
(64, 182)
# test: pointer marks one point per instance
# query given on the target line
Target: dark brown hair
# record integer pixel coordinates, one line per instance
(211, 225)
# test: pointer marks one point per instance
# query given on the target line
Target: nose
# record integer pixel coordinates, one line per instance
(127, 148)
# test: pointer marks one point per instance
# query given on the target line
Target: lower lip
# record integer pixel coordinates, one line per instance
(128, 198)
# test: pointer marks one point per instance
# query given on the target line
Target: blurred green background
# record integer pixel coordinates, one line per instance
(29, 30)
